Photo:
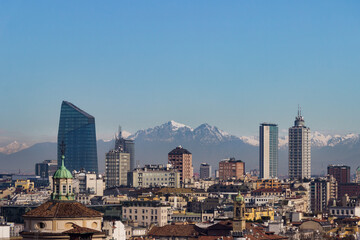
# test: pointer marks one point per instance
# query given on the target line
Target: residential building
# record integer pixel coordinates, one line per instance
(205, 171)
(231, 169)
(77, 133)
(154, 176)
(181, 159)
(117, 168)
(268, 146)
(299, 149)
(268, 183)
(146, 212)
(322, 190)
(87, 185)
(126, 146)
(46, 169)
(340, 172)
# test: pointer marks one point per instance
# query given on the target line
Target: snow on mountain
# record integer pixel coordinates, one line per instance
(211, 134)
(252, 140)
(346, 139)
(13, 147)
(165, 132)
(173, 130)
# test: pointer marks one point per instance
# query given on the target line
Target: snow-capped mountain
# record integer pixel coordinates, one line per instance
(13, 147)
(172, 130)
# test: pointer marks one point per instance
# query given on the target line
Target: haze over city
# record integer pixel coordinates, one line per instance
(232, 65)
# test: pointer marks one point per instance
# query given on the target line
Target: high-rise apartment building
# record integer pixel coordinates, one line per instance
(126, 146)
(77, 132)
(117, 168)
(340, 172)
(299, 149)
(205, 171)
(322, 190)
(181, 160)
(268, 150)
(119, 161)
(231, 169)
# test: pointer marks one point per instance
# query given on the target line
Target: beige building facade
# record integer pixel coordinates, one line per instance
(154, 176)
(146, 213)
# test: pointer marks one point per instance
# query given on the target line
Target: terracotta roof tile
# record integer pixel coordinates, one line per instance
(188, 230)
(62, 209)
(80, 230)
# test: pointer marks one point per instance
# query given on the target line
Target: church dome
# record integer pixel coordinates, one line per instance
(62, 172)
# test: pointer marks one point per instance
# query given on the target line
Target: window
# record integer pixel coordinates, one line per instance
(64, 189)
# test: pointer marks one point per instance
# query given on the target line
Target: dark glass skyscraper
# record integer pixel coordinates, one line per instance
(77, 130)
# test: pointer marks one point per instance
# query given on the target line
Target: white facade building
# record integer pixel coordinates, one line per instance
(268, 146)
(299, 150)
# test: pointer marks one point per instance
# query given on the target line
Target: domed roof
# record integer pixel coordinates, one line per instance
(239, 197)
(62, 209)
(62, 172)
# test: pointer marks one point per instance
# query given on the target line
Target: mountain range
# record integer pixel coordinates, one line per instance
(207, 144)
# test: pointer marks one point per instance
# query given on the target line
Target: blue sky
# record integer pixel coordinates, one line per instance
(232, 64)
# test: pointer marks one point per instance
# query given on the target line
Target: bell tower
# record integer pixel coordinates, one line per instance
(239, 214)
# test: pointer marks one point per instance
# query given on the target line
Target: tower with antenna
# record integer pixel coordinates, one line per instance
(299, 149)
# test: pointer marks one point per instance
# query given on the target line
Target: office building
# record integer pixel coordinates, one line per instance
(46, 169)
(268, 146)
(117, 168)
(77, 132)
(322, 191)
(205, 171)
(154, 176)
(126, 146)
(231, 169)
(299, 149)
(181, 160)
(340, 172)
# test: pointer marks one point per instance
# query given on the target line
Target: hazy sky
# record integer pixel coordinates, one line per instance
(232, 64)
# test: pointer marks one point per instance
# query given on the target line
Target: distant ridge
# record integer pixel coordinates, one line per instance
(207, 144)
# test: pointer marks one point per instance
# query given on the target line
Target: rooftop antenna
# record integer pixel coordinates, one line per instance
(298, 110)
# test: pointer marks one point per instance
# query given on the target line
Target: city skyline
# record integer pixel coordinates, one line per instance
(227, 59)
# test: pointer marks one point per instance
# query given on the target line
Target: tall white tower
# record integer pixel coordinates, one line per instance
(268, 150)
(299, 149)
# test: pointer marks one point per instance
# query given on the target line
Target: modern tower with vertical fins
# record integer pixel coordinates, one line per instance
(268, 149)
(77, 131)
(299, 149)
